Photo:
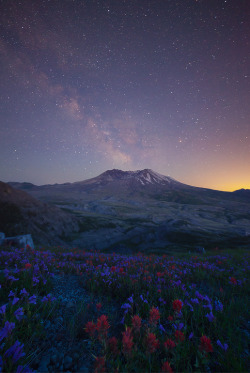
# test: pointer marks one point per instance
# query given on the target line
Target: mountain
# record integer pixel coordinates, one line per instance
(123, 185)
(144, 210)
(21, 214)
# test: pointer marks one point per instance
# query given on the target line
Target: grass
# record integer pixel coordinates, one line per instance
(191, 308)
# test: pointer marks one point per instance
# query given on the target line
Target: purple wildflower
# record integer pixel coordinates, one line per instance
(11, 294)
(126, 306)
(15, 351)
(210, 316)
(15, 300)
(32, 299)
(224, 347)
(7, 329)
(3, 309)
(191, 335)
(162, 329)
(35, 281)
(131, 299)
(24, 292)
(19, 313)
(194, 300)
(218, 306)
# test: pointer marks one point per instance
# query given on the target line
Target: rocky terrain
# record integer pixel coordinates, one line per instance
(143, 210)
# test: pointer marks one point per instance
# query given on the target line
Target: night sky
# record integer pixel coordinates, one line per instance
(89, 85)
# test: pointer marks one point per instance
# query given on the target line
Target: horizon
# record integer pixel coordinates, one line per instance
(76, 181)
(90, 86)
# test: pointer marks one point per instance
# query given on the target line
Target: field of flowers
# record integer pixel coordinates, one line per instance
(176, 313)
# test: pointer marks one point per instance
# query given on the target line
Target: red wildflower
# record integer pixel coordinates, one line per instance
(206, 344)
(127, 342)
(136, 323)
(169, 344)
(90, 328)
(179, 336)
(113, 268)
(166, 368)
(152, 343)
(170, 318)
(112, 343)
(98, 306)
(102, 326)
(100, 365)
(154, 316)
(27, 266)
(177, 305)
(233, 280)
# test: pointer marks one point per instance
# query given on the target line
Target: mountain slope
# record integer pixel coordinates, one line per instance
(21, 214)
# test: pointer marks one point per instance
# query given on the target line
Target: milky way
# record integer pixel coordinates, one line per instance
(88, 86)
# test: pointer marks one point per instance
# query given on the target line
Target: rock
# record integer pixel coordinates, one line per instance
(20, 241)
(2, 237)
(67, 362)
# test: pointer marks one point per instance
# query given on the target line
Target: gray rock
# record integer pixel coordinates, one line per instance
(21, 241)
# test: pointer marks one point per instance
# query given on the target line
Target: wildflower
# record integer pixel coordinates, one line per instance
(218, 306)
(154, 316)
(19, 313)
(24, 292)
(11, 294)
(90, 328)
(35, 280)
(27, 266)
(15, 351)
(152, 343)
(3, 309)
(7, 329)
(127, 342)
(210, 316)
(191, 335)
(100, 365)
(177, 305)
(179, 336)
(166, 368)
(126, 306)
(130, 299)
(136, 323)
(98, 306)
(224, 347)
(170, 318)
(112, 343)
(206, 344)
(162, 329)
(233, 280)
(195, 300)
(32, 299)
(169, 344)
(102, 326)
(15, 300)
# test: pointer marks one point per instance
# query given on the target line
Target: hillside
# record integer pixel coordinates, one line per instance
(20, 213)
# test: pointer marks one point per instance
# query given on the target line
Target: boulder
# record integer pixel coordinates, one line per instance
(21, 241)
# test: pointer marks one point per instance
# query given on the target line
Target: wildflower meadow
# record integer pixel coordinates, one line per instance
(145, 313)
